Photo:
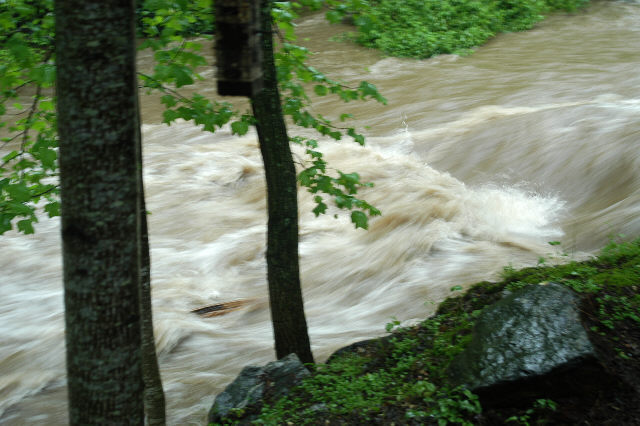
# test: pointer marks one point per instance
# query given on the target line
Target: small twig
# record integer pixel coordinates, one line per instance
(16, 136)
(302, 64)
(32, 111)
(45, 192)
(301, 161)
(323, 122)
(20, 86)
(15, 89)
(180, 49)
(324, 78)
(16, 113)
(34, 107)
(276, 30)
(164, 88)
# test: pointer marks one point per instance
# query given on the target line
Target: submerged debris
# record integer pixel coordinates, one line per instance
(219, 308)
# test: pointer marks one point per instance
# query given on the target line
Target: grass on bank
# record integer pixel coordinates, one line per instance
(424, 28)
(400, 378)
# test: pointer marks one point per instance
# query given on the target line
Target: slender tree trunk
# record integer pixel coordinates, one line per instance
(98, 129)
(285, 294)
(154, 403)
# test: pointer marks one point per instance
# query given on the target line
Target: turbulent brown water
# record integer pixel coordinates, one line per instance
(478, 161)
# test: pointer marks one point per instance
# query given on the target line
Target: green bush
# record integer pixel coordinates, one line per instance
(423, 28)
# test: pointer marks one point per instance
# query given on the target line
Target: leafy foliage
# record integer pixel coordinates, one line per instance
(295, 76)
(174, 17)
(178, 62)
(28, 143)
(423, 28)
(28, 166)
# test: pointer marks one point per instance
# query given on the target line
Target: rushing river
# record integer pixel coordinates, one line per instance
(478, 162)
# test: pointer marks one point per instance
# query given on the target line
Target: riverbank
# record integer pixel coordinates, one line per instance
(528, 117)
(421, 29)
(401, 378)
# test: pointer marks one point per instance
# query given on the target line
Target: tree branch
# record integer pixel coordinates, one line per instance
(164, 88)
(32, 111)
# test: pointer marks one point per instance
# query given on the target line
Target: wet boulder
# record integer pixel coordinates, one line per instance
(530, 344)
(254, 384)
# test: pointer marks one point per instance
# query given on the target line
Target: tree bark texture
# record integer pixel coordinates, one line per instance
(98, 130)
(154, 402)
(285, 293)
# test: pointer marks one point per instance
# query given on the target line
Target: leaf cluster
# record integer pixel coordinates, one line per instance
(295, 77)
(178, 62)
(180, 18)
(28, 165)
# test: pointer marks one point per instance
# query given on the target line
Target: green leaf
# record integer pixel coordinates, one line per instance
(20, 51)
(373, 211)
(335, 135)
(26, 226)
(47, 157)
(320, 90)
(349, 181)
(52, 209)
(288, 28)
(181, 74)
(169, 101)
(368, 89)
(314, 154)
(10, 156)
(325, 184)
(319, 209)
(47, 106)
(356, 136)
(169, 116)
(5, 222)
(239, 128)
(18, 192)
(344, 202)
(17, 209)
(359, 219)
(306, 177)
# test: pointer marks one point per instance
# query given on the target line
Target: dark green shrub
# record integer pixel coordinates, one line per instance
(423, 28)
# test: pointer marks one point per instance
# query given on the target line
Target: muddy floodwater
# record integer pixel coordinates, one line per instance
(478, 163)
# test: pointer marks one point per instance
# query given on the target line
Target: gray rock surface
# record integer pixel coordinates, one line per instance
(254, 383)
(530, 342)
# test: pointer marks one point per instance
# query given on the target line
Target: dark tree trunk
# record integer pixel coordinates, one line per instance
(285, 294)
(98, 129)
(154, 403)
